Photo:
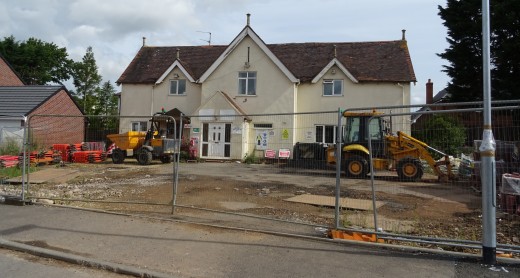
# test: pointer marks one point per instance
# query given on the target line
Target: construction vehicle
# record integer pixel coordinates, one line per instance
(156, 143)
(399, 151)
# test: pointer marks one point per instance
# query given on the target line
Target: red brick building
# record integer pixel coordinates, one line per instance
(21, 105)
(8, 76)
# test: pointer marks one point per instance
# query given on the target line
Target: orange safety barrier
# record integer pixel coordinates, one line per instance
(338, 234)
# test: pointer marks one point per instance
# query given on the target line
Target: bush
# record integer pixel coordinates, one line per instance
(9, 147)
(443, 133)
(251, 158)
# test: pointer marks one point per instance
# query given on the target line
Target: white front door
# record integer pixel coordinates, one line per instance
(216, 139)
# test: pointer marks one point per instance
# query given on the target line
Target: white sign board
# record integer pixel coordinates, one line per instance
(261, 139)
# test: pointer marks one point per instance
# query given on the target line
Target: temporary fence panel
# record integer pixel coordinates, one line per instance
(279, 167)
(99, 173)
(11, 145)
(436, 211)
(264, 166)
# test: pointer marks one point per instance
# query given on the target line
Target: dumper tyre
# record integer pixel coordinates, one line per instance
(144, 156)
(166, 159)
(356, 166)
(409, 169)
(118, 156)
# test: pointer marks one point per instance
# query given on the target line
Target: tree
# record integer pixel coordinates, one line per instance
(86, 81)
(464, 54)
(37, 62)
(107, 105)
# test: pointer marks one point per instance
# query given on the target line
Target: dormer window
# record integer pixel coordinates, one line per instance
(178, 87)
(332, 87)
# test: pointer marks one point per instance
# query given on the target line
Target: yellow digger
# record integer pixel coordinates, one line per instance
(399, 150)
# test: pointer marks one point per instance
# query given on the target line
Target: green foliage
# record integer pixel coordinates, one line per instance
(251, 158)
(464, 54)
(35, 61)
(86, 81)
(443, 133)
(9, 147)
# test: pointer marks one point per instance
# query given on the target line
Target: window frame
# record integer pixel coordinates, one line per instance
(333, 90)
(140, 125)
(176, 93)
(324, 131)
(245, 90)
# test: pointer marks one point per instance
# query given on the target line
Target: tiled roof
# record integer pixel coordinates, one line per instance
(21, 100)
(366, 61)
(151, 62)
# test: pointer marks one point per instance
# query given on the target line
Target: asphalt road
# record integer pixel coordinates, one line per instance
(187, 250)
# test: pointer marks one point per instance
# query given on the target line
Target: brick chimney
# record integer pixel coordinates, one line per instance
(429, 92)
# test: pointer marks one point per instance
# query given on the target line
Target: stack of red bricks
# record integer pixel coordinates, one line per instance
(7, 161)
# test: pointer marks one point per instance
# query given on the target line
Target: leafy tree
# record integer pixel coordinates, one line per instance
(107, 104)
(443, 133)
(86, 81)
(464, 54)
(37, 62)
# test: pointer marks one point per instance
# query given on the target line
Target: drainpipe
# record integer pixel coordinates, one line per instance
(151, 105)
(403, 103)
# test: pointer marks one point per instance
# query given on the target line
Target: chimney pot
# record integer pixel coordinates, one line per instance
(144, 41)
(404, 34)
(248, 19)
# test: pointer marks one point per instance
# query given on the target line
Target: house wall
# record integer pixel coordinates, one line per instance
(274, 91)
(136, 102)
(47, 131)
(186, 103)
(355, 95)
(7, 76)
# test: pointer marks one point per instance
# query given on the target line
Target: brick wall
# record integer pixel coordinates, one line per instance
(7, 76)
(62, 129)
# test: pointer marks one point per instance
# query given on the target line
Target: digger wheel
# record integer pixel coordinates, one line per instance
(356, 167)
(409, 169)
(144, 156)
(118, 156)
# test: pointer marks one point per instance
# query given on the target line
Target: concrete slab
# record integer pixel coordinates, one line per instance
(329, 201)
(47, 175)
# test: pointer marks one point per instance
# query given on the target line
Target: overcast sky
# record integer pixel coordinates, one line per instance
(114, 28)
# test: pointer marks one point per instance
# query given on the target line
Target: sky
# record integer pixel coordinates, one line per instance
(115, 28)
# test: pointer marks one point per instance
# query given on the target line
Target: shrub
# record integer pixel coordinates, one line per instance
(443, 133)
(9, 147)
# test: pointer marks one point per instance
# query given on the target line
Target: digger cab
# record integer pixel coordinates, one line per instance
(362, 127)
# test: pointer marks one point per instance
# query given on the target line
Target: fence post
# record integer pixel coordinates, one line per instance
(24, 153)
(339, 136)
(487, 152)
(176, 158)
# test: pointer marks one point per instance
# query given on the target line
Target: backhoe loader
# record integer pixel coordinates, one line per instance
(399, 151)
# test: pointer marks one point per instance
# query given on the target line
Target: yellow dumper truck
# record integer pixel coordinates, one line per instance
(156, 143)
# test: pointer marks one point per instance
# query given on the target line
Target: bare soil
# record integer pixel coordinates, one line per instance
(426, 208)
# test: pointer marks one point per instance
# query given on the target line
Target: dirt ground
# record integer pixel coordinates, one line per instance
(425, 208)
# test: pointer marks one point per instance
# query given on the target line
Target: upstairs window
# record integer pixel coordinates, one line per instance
(247, 83)
(178, 87)
(332, 87)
